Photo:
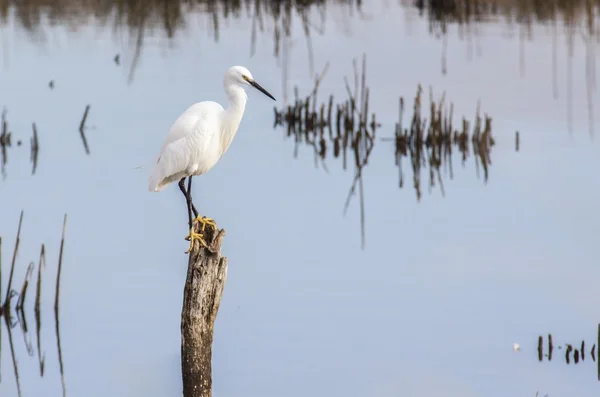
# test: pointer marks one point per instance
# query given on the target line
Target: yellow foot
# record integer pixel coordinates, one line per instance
(195, 236)
(205, 221)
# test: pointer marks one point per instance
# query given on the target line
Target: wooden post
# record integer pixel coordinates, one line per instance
(206, 275)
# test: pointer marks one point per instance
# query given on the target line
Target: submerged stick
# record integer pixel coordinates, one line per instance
(206, 275)
(82, 129)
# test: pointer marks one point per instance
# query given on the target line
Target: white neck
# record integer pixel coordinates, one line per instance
(232, 116)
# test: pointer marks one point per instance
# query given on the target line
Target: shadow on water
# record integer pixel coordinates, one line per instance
(16, 313)
(573, 353)
(345, 130)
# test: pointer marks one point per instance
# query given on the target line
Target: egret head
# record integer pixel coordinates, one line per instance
(242, 76)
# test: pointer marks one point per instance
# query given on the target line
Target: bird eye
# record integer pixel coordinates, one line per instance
(245, 77)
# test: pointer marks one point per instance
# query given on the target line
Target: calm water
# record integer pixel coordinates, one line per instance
(444, 285)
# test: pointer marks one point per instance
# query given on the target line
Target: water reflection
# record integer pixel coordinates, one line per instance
(82, 128)
(169, 16)
(450, 274)
(573, 352)
(430, 142)
(141, 18)
(306, 121)
(578, 18)
(345, 128)
(6, 142)
(527, 12)
(16, 314)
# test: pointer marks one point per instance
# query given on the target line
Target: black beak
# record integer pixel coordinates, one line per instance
(258, 87)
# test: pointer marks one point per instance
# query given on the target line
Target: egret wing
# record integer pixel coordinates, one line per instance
(199, 113)
(186, 144)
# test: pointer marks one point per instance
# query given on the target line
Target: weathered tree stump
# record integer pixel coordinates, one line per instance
(206, 275)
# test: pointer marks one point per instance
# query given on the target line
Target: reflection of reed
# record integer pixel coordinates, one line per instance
(143, 17)
(19, 317)
(170, 15)
(347, 125)
(38, 318)
(56, 307)
(6, 142)
(573, 352)
(577, 18)
(525, 12)
(35, 148)
(82, 128)
(343, 130)
(429, 142)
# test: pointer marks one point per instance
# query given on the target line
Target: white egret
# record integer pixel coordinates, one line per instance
(197, 140)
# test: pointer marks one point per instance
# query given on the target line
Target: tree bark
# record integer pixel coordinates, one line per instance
(206, 275)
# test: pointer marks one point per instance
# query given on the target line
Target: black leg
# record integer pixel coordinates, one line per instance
(187, 199)
(189, 196)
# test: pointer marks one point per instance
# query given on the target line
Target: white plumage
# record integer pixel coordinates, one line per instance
(199, 137)
(192, 146)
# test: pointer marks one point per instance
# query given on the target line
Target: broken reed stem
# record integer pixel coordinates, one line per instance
(84, 118)
(23, 293)
(60, 255)
(206, 275)
(1, 309)
(14, 259)
(56, 306)
(0, 277)
(82, 129)
(12, 353)
(35, 148)
(38, 317)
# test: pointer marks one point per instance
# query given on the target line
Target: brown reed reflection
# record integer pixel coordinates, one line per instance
(429, 142)
(577, 19)
(573, 353)
(169, 15)
(82, 128)
(349, 131)
(5, 143)
(525, 12)
(140, 17)
(16, 314)
(345, 130)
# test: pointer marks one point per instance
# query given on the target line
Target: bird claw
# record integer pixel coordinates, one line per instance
(205, 221)
(195, 236)
(199, 236)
